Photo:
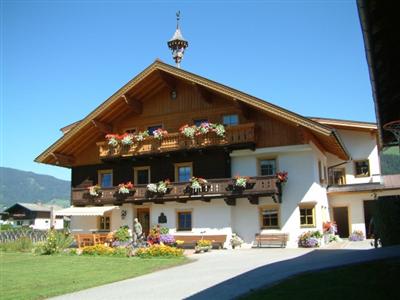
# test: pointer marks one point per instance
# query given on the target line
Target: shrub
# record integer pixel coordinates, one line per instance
(98, 250)
(309, 239)
(164, 230)
(122, 234)
(387, 220)
(236, 241)
(204, 243)
(356, 236)
(22, 244)
(55, 243)
(159, 251)
(5, 227)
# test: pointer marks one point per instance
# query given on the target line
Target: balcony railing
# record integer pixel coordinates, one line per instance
(235, 135)
(181, 192)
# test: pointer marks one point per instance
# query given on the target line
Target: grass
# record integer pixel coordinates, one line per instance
(26, 276)
(374, 280)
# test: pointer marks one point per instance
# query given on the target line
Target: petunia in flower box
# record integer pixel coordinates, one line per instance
(160, 133)
(113, 140)
(188, 131)
(197, 184)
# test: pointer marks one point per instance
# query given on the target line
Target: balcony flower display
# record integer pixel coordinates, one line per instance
(152, 187)
(197, 184)
(219, 129)
(125, 188)
(160, 133)
(204, 128)
(162, 186)
(188, 131)
(282, 177)
(241, 181)
(141, 135)
(113, 139)
(95, 190)
(127, 139)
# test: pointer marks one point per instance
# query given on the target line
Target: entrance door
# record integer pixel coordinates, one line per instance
(143, 215)
(341, 217)
(369, 207)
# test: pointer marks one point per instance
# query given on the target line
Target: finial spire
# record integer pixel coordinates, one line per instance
(178, 44)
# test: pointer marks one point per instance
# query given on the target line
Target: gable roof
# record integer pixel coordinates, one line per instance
(112, 108)
(346, 124)
(35, 207)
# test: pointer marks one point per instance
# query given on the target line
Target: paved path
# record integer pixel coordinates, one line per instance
(226, 274)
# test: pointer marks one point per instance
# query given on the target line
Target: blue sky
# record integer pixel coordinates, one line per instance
(61, 59)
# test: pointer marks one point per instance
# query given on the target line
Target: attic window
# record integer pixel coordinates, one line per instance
(230, 120)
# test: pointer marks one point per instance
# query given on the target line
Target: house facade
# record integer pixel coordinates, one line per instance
(35, 216)
(322, 157)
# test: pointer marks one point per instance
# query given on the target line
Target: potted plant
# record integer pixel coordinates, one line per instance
(240, 183)
(94, 193)
(158, 189)
(203, 246)
(357, 236)
(204, 128)
(329, 229)
(310, 239)
(113, 140)
(219, 129)
(127, 139)
(236, 241)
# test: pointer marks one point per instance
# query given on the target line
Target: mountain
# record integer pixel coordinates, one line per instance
(22, 186)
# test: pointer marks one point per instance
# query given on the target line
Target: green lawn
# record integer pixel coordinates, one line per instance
(375, 280)
(26, 276)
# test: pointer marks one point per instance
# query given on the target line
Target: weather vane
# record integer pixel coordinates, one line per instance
(178, 44)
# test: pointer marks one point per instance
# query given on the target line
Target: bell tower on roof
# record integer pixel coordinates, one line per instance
(177, 44)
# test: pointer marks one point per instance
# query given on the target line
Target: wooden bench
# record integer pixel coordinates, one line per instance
(191, 240)
(272, 239)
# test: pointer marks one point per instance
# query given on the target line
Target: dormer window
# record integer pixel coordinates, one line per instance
(361, 168)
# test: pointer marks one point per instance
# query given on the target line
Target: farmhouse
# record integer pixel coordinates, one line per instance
(36, 216)
(207, 159)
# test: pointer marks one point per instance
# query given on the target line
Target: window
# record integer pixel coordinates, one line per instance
(361, 168)
(131, 130)
(199, 121)
(104, 223)
(142, 175)
(184, 220)
(269, 217)
(267, 167)
(105, 178)
(307, 216)
(152, 128)
(230, 120)
(183, 172)
(337, 176)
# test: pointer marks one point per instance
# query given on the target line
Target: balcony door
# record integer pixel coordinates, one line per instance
(142, 175)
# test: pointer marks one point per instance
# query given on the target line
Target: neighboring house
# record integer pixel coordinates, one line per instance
(328, 162)
(36, 216)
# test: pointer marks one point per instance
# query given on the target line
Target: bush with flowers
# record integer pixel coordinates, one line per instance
(188, 131)
(203, 245)
(310, 239)
(159, 251)
(357, 236)
(167, 239)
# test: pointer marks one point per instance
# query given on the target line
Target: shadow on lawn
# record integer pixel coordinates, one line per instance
(273, 273)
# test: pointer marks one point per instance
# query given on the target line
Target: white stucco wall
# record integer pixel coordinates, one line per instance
(360, 145)
(83, 224)
(355, 204)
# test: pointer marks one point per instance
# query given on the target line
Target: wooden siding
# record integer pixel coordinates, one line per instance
(207, 164)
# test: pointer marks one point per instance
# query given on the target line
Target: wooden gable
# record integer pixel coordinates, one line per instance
(146, 101)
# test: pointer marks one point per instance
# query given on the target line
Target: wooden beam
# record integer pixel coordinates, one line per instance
(102, 127)
(253, 199)
(135, 104)
(62, 159)
(167, 81)
(230, 201)
(204, 93)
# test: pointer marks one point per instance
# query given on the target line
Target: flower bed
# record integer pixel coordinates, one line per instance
(357, 236)
(310, 239)
(159, 251)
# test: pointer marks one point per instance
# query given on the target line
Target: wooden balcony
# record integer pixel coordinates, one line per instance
(180, 192)
(242, 134)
